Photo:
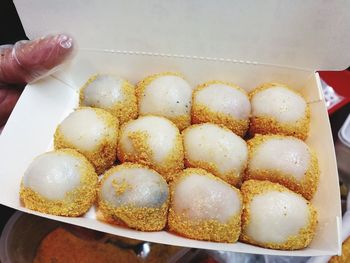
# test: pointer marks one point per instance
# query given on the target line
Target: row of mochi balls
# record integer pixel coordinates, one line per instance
(258, 191)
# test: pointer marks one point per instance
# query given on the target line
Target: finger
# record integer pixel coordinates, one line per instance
(27, 61)
(10, 70)
(8, 98)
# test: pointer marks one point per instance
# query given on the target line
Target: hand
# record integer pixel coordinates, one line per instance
(25, 62)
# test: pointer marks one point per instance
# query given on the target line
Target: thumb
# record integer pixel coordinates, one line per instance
(27, 61)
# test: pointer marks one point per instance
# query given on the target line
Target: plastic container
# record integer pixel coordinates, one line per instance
(23, 234)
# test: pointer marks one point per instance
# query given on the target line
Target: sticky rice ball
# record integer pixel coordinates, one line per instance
(134, 195)
(221, 103)
(112, 94)
(61, 182)
(167, 95)
(277, 109)
(153, 141)
(217, 150)
(285, 160)
(275, 217)
(92, 132)
(204, 207)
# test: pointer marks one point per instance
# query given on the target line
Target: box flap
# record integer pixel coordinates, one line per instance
(303, 34)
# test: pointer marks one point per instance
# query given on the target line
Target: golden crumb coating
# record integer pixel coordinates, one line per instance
(76, 202)
(140, 218)
(143, 153)
(269, 125)
(211, 229)
(124, 110)
(345, 256)
(307, 187)
(208, 230)
(105, 154)
(201, 113)
(252, 188)
(181, 121)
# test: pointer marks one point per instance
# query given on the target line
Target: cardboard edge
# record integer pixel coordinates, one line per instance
(339, 229)
(319, 86)
(298, 253)
(180, 242)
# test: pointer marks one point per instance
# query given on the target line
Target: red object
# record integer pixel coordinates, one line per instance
(340, 82)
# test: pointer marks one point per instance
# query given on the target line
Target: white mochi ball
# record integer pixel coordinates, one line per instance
(280, 103)
(134, 195)
(275, 217)
(222, 103)
(92, 132)
(204, 207)
(154, 141)
(200, 197)
(134, 185)
(110, 93)
(216, 149)
(167, 95)
(286, 154)
(277, 109)
(60, 182)
(285, 214)
(283, 159)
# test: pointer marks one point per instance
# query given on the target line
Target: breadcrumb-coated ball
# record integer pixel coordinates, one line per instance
(134, 195)
(345, 253)
(286, 160)
(277, 109)
(91, 131)
(61, 182)
(217, 150)
(168, 95)
(204, 207)
(221, 103)
(153, 141)
(112, 94)
(275, 217)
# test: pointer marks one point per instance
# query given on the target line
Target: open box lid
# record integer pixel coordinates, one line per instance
(303, 34)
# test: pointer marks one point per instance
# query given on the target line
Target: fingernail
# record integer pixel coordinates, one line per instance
(65, 41)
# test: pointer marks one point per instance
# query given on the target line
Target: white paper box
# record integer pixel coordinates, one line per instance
(243, 42)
